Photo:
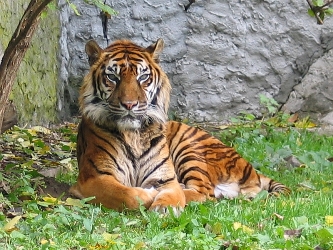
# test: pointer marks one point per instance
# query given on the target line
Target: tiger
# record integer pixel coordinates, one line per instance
(130, 155)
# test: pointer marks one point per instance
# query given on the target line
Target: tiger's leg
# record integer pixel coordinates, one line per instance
(112, 194)
(193, 195)
(196, 181)
(169, 195)
(273, 187)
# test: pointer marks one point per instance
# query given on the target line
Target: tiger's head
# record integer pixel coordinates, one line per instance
(125, 88)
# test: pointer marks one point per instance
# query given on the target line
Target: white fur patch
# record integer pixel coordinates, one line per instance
(128, 124)
(226, 190)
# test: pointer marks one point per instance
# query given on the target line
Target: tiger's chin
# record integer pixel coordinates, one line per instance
(125, 124)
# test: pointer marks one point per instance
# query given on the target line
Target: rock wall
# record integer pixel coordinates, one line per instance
(35, 90)
(219, 56)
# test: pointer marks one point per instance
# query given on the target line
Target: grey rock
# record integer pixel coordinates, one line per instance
(314, 95)
(219, 56)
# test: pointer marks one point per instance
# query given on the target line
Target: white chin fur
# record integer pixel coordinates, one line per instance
(128, 124)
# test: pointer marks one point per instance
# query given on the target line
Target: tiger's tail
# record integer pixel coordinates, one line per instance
(273, 187)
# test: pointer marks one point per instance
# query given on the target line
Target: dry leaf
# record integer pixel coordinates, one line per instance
(292, 161)
(245, 229)
(44, 241)
(73, 202)
(280, 217)
(50, 199)
(292, 233)
(237, 225)
(10, 226)
(39, 129)
(14, 211)
(293, 118)
(329, 220)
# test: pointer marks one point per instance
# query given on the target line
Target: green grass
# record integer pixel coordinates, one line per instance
(262, 223)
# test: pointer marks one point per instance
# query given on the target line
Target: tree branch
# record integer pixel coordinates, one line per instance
(318, 10)
(16, 49)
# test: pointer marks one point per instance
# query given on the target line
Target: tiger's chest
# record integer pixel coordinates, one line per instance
(139, 159)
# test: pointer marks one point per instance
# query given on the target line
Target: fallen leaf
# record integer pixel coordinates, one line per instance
(245, 229)
(280, 217)
(292, 161)
(292, 233)
(14, 211)
(237, 225)
(305, 123)
(39, 129)
(329, 220)
(4, 186)
(140, 245)
(10, 226)
(73, 202)
(307, 185)
(293, 118)
(50, 199)
(44, 241)
(227, 245)
(51, 171)
(110, 237)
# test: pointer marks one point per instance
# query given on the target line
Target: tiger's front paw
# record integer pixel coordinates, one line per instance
(169, 200)
(162, 209)
(146, 196)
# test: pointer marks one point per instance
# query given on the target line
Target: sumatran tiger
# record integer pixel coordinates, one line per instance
(129, 154)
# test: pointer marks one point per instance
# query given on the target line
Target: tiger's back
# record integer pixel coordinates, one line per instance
(209, 169)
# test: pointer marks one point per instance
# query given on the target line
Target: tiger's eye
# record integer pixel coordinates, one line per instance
(143, 77)
(112, 78)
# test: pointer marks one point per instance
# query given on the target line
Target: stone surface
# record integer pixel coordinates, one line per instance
(219, 56)
(314, 95)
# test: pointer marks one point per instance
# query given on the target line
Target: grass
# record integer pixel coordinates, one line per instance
(301, 221)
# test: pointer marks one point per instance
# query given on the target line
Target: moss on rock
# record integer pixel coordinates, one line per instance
(35, 89)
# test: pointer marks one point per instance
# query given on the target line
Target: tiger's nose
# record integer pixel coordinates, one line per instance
(129, 105)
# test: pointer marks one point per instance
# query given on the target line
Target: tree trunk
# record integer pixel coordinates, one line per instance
(16, 49)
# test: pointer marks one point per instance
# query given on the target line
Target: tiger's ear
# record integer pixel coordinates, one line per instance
(93, 51)
(155, 49)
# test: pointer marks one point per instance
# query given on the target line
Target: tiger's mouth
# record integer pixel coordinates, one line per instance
(129, 120)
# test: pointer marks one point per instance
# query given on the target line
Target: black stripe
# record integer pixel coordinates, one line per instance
(162, 182)
(154, 101)
(129, 154)
(97, 170)
(190, 178)
(218, 145)
(96, 100)
(103, 139)
(232, 163)
(193, 170)
(154, 169)
(112, 157)
(204, 186)
(246, 174)
(175, 133)
(134, 59)
(190, 158)
(181, 139)
(153, 143)
(94, 83)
